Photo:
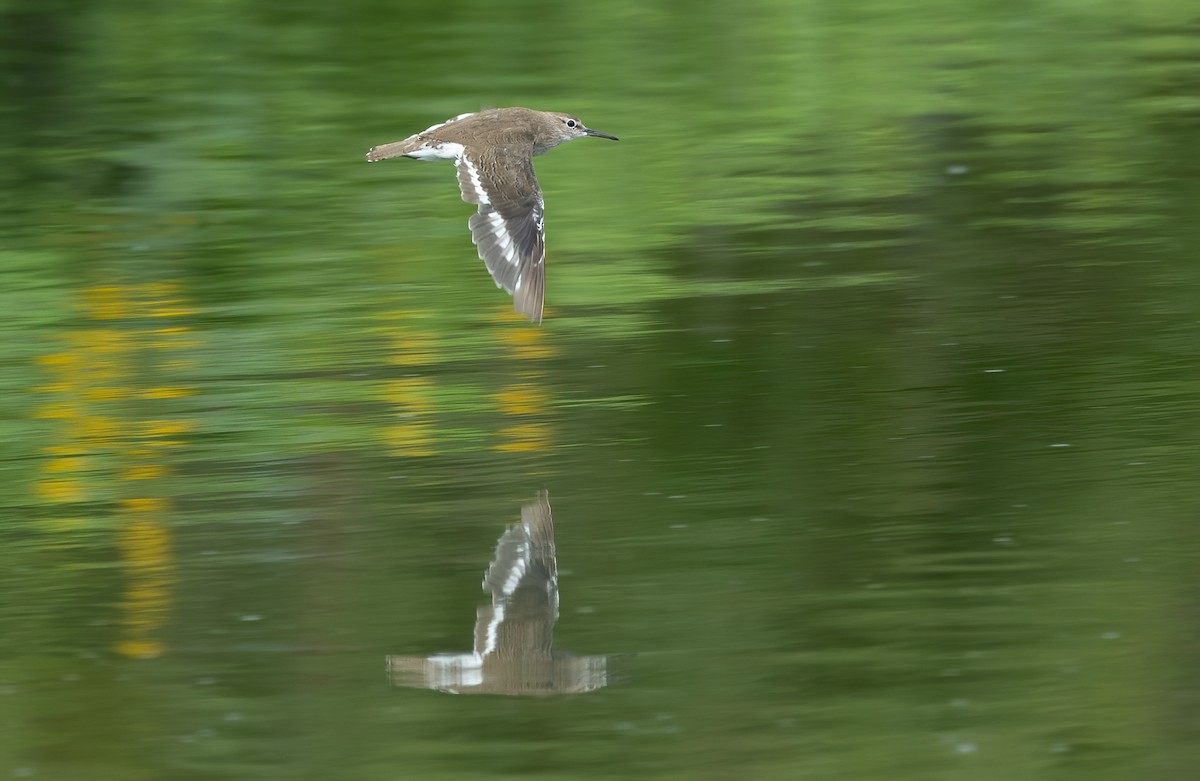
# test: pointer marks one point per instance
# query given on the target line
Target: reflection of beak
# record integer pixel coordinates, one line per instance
(598, 134)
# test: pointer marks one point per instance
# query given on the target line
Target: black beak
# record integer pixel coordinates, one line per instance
(598, 134)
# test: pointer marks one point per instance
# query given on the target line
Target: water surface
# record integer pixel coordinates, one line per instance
(866, 397)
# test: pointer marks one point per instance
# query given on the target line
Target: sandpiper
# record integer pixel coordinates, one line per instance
(493, 151)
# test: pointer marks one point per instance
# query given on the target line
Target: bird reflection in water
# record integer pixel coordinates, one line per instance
(514, 638)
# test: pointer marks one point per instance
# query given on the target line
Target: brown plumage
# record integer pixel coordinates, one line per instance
(493, 151)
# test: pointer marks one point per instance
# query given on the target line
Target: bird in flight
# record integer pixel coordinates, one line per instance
(493, 151)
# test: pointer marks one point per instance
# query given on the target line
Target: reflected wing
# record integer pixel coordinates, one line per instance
(508, 230)
(523, 582)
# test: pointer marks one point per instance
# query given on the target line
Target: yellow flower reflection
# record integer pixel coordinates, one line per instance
(103, 446)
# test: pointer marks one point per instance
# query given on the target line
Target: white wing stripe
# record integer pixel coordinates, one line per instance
(473, 175)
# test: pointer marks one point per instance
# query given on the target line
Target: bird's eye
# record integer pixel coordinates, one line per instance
(572, 123)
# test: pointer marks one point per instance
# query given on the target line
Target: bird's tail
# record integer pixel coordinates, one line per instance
(394, 149)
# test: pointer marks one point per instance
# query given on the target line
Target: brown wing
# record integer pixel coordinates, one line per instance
(508, 230)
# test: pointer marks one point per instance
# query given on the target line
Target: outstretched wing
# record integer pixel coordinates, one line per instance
(508, 230)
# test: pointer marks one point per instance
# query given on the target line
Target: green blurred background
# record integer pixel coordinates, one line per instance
(866, 398)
